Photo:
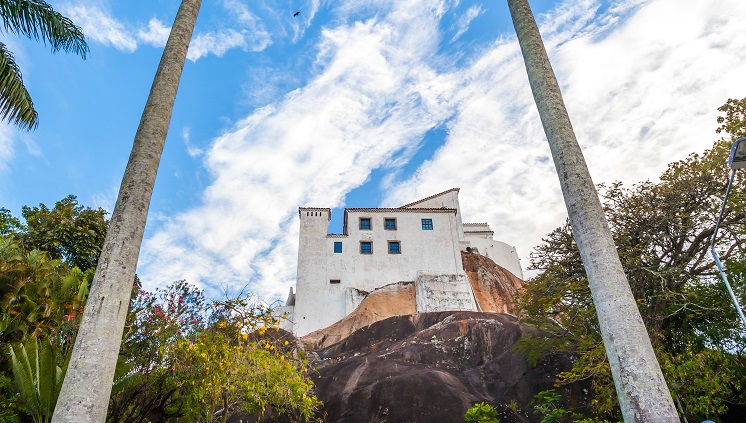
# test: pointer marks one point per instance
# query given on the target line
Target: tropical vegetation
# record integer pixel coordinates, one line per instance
(41, 300)
(183, 356)
(663, 231)
(37, 20)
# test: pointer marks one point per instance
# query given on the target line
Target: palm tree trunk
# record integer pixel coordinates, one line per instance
(642, 391)
(87, 386)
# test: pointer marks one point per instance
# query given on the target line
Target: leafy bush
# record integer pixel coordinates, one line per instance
(481, 413)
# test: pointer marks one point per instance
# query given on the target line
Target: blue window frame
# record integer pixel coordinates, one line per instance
(394, 247)
(427, 224)
(366, 247)
(365, 223)
(337, 247)
(389, 224)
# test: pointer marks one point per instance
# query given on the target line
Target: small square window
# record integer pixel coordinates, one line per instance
(337, 247)
(334, 281)
(427, 224)
(365, 223)
(366, 247)
(394, 247)
(389, 224)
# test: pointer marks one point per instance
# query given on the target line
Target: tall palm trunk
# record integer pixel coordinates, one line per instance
(87, 386)
(642, 391)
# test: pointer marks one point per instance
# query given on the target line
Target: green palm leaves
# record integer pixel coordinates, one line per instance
(37, 377)
(37, 20)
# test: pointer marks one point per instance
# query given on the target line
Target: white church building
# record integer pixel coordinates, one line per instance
(419, 242)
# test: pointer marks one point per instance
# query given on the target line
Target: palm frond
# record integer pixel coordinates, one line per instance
(37, 376)
(15, 101)
(38, 20)
(23, 375)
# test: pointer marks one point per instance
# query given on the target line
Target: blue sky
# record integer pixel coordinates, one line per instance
(360, 103)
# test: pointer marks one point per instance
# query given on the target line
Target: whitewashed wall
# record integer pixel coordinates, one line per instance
(501, 253)
(320, 303)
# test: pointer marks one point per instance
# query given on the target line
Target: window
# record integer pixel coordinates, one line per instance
(334, 281)
(337, 247)
(389, 224)
(394, 247)
(365, 223)
(366, 247)
(427, 224)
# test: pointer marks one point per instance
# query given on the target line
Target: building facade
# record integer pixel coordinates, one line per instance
(380, 246)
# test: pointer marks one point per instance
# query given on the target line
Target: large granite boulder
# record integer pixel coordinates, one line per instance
(432, 367)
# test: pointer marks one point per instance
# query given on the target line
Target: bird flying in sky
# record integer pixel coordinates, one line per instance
(296, 13)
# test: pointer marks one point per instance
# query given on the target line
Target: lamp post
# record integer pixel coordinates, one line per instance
(737, 160)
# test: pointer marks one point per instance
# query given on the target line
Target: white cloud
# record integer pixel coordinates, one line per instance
(219, 42)
(245, 30)
(641, 82)
(463, 22)
(191, 149)
(100, 27)
(156, 34)
(641, 93)
(375, 97)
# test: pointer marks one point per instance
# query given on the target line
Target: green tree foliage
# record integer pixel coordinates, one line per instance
(68, 231)
(547, 404)
(481, 413)
(40, 308)
(206, 361)
(10, 405)
(662, 231)
(37, 20)
(41, 297)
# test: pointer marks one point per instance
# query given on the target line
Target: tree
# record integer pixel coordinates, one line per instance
(35, 19)
(87, 386)
(69, 232)
(663, 230)
(40, 304)
(640, 386)
(41, 297)
(207, 361)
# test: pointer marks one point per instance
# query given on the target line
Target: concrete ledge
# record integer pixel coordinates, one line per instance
(438, 292)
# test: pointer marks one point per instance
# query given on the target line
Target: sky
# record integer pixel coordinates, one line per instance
(356, 103)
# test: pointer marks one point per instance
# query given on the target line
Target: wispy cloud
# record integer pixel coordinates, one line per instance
(6, 147)
(641, 92)
(191, 149)
(462, 24)
(245, 31)
(219, 42)
(642, 82)
(374, 98)
(101, 27)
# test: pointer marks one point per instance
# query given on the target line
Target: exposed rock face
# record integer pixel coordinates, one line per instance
(384, 363)
(432, 367)
(391, 300)
(494, 287)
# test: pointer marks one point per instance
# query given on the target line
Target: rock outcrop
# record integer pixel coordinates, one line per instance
(386, 363)
(432, 367)
(495, 288)
(396, 299)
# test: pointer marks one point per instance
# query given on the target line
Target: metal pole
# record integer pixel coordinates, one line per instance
(717, 257)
